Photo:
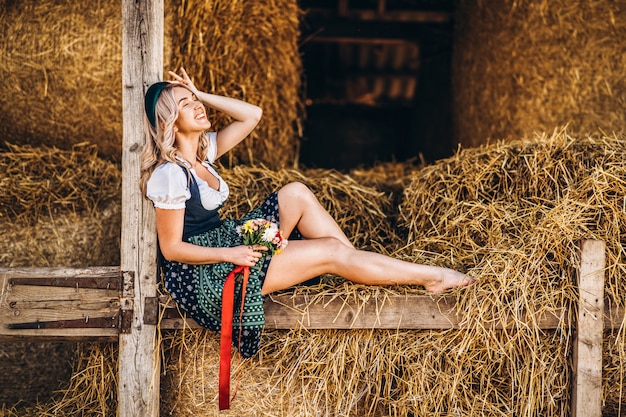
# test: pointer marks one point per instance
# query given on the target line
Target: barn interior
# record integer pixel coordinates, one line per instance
(482, 136)
(377, 81)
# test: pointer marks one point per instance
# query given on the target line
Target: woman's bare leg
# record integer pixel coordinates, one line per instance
(327, 250)
(298, 207)
(305, 259)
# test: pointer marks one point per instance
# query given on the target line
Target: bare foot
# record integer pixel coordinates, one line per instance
(449, 279)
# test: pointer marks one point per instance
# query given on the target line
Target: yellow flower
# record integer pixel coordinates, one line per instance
(248, 227)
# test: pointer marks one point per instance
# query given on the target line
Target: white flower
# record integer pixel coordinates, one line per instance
(270, 233)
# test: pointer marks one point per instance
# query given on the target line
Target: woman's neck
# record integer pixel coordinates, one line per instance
(187, 149)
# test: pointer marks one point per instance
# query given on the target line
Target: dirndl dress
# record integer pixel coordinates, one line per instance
(197, 289)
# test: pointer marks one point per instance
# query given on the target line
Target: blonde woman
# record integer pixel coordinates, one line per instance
(199, 249)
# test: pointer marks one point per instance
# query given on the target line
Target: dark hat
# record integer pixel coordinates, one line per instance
(152, 95)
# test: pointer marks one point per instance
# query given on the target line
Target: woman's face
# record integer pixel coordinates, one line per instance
(191, 112)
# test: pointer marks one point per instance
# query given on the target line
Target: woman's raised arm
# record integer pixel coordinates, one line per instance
(246, 116)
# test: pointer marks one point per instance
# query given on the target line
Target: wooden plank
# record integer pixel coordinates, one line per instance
(334, 312)
(59, 272)
(413, 16)
(393, 312)
(110, 321)
(321, 29)
(93, 304)
(587, 372)
(75, 335)
(17, 315)
(112, 282)
(37, 294)
(142, 64)
(381, 7)
(342, 8)
(31, 303)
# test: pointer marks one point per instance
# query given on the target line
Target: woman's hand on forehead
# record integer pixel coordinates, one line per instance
(183, 78)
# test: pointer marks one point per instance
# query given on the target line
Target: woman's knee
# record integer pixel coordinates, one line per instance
(296, 191)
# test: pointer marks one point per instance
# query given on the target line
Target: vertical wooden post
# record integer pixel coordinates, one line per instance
(142, 64)
(587, 388)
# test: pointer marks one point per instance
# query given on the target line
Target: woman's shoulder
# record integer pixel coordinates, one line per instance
(168, 186)
(168, 170)
(171, 173)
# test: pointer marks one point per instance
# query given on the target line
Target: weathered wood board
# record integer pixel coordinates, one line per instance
(60, 303)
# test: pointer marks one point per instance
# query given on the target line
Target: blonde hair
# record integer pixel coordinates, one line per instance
(160, 141)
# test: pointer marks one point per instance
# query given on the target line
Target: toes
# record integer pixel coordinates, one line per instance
(468, 280)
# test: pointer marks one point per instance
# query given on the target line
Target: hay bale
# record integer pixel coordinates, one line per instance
(390, 178)
(61, 74)
(67, 239)
(189, 382)
(59, 207)
(366, 373)
(513, 214)
(533, 65)
(44, 181)
(548, 193)
(247, 50)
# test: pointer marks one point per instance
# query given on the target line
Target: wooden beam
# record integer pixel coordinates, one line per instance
(323, 30)
(392, 312)
(587, 372)
(356, 40)
(334, 312)
(381, 7)
(142, 64)
(23, 303)
(413, 16)
(343, 7)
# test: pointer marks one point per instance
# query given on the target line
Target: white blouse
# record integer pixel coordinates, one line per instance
(168, 187)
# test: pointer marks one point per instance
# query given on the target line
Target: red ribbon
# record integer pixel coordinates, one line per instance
(226, 337)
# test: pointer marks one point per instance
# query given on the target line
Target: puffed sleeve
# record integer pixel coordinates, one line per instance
(168, 187)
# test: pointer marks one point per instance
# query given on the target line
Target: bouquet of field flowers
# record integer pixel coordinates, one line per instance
(262, 232)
